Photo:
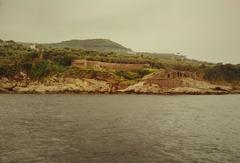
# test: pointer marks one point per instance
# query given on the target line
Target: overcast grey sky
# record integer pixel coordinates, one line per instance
(200, 29)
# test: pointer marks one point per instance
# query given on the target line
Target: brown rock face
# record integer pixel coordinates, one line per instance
(6, 84)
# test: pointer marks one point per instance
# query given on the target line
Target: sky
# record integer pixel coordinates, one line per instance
(207, 30)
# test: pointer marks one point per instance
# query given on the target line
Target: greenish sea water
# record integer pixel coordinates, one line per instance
(119, 128)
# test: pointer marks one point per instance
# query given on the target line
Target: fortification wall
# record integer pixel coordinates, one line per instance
(107, 65)
(171, 78)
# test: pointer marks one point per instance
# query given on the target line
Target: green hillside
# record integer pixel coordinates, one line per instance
(102, 45)
(43, 61)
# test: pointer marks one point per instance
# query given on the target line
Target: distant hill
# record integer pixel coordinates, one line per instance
(106, 46)
(102, 45)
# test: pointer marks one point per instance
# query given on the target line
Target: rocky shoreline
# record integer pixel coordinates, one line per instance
(59, 85)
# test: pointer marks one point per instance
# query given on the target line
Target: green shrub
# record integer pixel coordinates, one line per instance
(8, 70)
(132, 75)
(63, 60)
(40, 69)
(226, 72)
(87, 73)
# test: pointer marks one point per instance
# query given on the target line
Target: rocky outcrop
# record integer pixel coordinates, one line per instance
(6, 85)
(143, 87)
(189, 86)
(61, 85)
(176, 82)
(156, 83)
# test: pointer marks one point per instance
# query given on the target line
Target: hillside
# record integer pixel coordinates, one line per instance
(102, 45)
(25, 68)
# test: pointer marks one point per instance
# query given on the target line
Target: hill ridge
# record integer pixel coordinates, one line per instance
(103, 45)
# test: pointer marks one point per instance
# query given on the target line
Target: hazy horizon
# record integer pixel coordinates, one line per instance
(203, 30)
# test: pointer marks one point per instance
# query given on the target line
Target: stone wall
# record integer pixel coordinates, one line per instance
(106, 65)
(171, 78)
(174, 74)
(166, 83)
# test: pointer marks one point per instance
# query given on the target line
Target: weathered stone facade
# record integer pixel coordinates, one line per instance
(82, 63)
(174, 74)
(171, 78)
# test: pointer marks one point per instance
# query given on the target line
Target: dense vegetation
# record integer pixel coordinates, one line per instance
(47, 60)
(221, 72)
(102, 45)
